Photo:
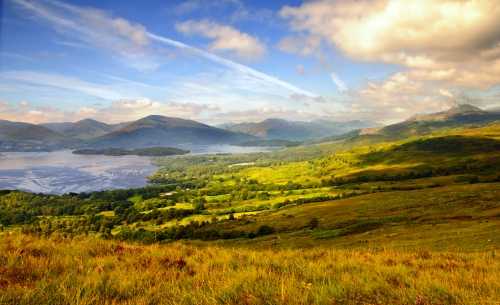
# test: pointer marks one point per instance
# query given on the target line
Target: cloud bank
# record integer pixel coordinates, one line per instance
(441, 45)
(226, 39)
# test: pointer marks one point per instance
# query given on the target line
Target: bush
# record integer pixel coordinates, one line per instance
(265, 230)
(474, 179)
(313, 223)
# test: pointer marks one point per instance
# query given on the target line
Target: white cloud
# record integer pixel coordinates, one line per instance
(47, 108)
(5, 104)
(97, 28)
(258, 115)
(24, 104)
(303, 45)
(340, 83)
(111, 88)
(17, 56)
(413, 33)
(464, 98)
(70, 83)
(226, 39)
(318, 99)
(119, 111)
(71, 44)
(400, 97)
(49, 54)
(298, 97)
(300, 69)
(442, 45)
(136, 47)
(457, 42)
(244, 72)
(133, 109)
(193, 5)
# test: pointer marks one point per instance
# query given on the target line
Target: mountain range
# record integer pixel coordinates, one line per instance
(461, 117)
(155, 130)
(297, 130)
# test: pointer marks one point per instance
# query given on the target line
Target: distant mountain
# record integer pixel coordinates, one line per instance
(87, 129)
(84, 129)
(343, 127)
(457, 109)
(7, 127)
(225, 125)
(461, 117)
(119, 125)
(156, 130)
(495, 109)
(34, 137)
(56, 126)
(15, 124)
(463, 108)
(458, 118)
(235, 127)
(297, 130)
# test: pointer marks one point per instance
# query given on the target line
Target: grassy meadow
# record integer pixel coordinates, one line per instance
(89, 271)
(360, 221)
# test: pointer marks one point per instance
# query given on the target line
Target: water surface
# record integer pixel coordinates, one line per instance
(62, 172)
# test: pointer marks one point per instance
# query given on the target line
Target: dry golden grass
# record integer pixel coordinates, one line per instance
(89, 271)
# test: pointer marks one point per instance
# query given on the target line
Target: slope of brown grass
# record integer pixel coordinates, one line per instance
(88, 271)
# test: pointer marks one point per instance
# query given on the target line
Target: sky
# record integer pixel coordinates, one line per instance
(245, 61)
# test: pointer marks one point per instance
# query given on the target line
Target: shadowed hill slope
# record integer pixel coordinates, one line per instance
(87, 129)
(297, 130)
(156, 130)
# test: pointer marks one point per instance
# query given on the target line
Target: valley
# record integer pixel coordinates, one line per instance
(401, 201)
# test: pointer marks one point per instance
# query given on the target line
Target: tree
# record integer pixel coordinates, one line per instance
(119, 210)
(265, 230)
(313, 223)
(474, 179)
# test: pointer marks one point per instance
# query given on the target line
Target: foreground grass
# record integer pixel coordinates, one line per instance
(89, 271)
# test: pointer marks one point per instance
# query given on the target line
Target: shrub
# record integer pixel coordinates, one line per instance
(474, 179)
(313, 223)
(265, 230)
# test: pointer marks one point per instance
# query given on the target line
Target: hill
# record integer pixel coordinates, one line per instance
(87, 129)
(7, 127)
(56, 126)
(297, 130)
(460, 118)
(494, 109)
(34, 137)
(440, 122)
(343, 127)
(235, 127)
(155, 130)
(412, 221)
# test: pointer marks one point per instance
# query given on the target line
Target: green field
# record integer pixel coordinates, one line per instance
(363, 220)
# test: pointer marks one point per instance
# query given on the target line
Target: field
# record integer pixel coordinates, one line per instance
(361, 221)
(89, 271)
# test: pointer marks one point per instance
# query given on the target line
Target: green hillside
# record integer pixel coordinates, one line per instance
(157, 130)
(366, 219)
(32, 138)
(297, 130)
(87, 129)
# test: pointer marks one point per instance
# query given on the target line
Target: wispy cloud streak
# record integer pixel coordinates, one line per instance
(231, 64)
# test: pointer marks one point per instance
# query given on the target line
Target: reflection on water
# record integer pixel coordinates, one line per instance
(63, 172)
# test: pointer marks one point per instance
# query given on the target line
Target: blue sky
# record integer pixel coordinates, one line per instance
(234, 61)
